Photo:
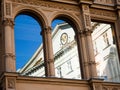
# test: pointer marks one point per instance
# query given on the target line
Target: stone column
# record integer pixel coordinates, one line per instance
(9, 55)
(90, 59)
(48, 52)
(84, 68)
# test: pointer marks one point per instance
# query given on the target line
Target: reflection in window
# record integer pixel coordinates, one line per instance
(59, 72)
(107, 61)
(106, 41)
(69, 66)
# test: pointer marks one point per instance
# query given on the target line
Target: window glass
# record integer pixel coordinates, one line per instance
(105, 50)
(65, 50)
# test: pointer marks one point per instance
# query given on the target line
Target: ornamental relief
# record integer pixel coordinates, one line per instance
(47, 4)
(11, 83)
(98, 87)
(103, 14)
(106, 2)
(110, 88)
(8, 9)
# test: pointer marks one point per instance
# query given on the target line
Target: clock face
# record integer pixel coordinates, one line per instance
(64, 38)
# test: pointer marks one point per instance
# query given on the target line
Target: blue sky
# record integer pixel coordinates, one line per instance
(27, 38)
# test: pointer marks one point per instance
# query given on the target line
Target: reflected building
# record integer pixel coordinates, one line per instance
(105, 50)
(66, 59)
(65, 55)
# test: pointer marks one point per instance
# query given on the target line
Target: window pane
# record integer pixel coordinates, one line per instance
(65, 51)
(105, 50)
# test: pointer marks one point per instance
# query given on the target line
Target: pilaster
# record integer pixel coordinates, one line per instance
(80, 37)
(48, 52)
(9, 54)
(89, 58)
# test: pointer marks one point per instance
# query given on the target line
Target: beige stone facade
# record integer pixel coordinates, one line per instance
(79, 14)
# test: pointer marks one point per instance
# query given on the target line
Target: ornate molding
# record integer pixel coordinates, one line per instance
(46, 30)
(86, 32)
(105, 2)
(98, 86)
(86, 16)
(95, 13)
(105, 88)
(89, 63)
(8, 8)
(87, 20)
(110, 88)
(9, 55)
(11, 83)
(47, 4)
(49, 61)
(8, 22)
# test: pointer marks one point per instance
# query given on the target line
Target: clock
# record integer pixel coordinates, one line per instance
(64, 38)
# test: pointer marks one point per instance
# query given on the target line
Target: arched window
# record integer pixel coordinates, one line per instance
(65, 50)
(27, 43)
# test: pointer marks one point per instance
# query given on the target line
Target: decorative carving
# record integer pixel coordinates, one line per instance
(85, 8)
(105, 2)
(87, 20)
(8, 21)
(98, 87)
(48, 4)
(11, 83)
(89, 63)
(102, 14)
(105, 88)
(8, 9)
(112, 88)
(49, 61)
(86, 15)
(9, 55)
(47, 30)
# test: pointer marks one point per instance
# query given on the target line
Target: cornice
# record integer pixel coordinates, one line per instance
(85, 1)
(75, 2)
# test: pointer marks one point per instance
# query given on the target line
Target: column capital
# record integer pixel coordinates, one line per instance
(50, 61)
(9, 55)
(89, 63)
(88, 32)
(47, 29)
(81, 33)
(85, 32)
(8, 22)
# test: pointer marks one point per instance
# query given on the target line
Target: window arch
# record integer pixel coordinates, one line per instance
(65, 47)
(34, 23)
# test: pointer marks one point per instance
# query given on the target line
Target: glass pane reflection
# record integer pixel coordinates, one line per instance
(105, 50)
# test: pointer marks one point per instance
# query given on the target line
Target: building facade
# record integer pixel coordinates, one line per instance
(79, 14)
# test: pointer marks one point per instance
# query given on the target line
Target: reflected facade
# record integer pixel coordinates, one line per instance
(105, 50)
(65, 55)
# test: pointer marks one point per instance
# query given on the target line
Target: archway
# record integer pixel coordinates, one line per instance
(66, 58)
(27, 38)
